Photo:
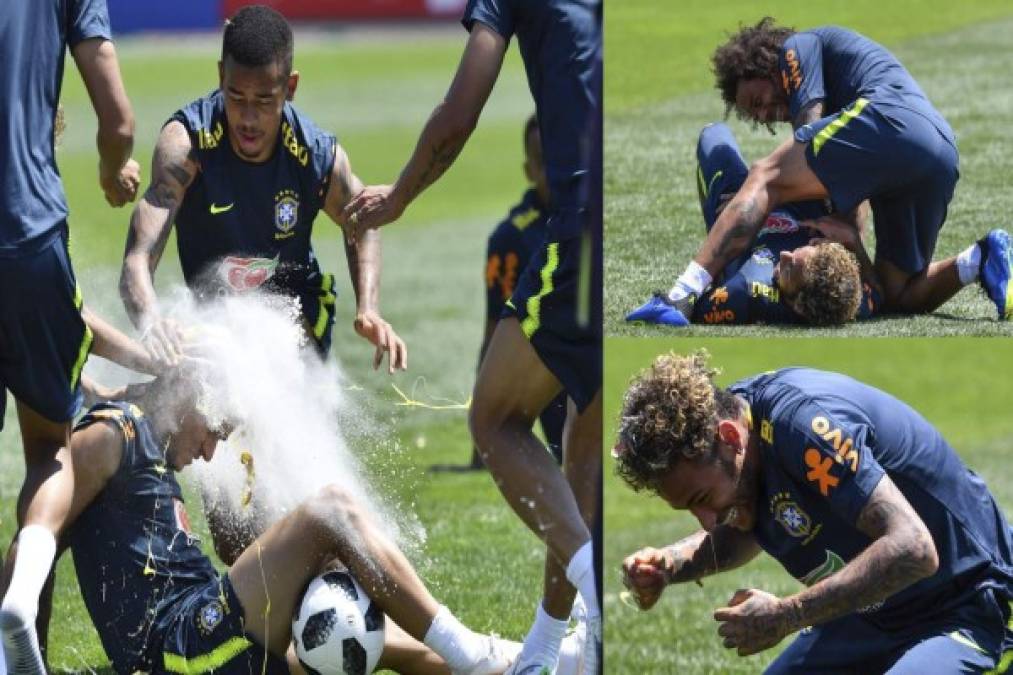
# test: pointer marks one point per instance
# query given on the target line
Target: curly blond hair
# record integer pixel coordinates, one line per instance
(670, 413)
(831, 289)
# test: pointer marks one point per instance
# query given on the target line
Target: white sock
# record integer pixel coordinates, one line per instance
(453, 641)
(693, 281)
(580, 573)
(542, 641)
(968, 263)
(36, 550)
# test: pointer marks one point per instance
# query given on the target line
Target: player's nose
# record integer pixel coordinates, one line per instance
(708, 518)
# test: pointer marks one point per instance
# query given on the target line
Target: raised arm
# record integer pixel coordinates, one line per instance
(119, 175)
(443, 137)
(808, 115)
(648, 571)
(364, 262)
(901, 553)
(173, 167)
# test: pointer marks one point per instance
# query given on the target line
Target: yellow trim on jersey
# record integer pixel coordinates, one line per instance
(534, 307)
(842, 121)
(82, 356)
(216, 658)
(326, 300)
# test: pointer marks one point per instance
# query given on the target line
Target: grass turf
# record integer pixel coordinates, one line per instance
(653, 224)
(678, 634)
(375, 90)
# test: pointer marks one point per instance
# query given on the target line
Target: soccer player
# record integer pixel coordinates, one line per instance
(907, 557)
(864, 130)
(158, 603)
(543, 347)
(511, 245)
(782, 277)
(44, 337)
(242, 174)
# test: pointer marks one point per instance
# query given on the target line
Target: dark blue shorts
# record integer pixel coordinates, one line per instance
(43, 339)
(320, 316)
(897, 159)
(207, 634)
(972, 638)
(559, 326)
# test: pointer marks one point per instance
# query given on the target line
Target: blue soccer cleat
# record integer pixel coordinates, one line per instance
(658, 310)
(997, 270)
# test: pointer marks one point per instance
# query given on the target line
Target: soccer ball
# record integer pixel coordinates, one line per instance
(338, 629)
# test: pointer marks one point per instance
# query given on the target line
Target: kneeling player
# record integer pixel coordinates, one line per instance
(907, 557)
(160, 606)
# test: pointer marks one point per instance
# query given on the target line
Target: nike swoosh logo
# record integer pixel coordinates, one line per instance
(215, 210)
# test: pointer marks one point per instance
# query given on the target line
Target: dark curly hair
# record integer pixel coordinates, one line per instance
(831, 290)
(670, 414)
(749, 54)
(258, 36)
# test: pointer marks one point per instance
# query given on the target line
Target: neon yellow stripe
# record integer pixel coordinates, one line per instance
(326, 300)
(964, 640)
(1004, 664)
(222, 654)
(82, 356)
(710, 185)
(533, 320)
(78, 297)
(842, 120)
(701, 183)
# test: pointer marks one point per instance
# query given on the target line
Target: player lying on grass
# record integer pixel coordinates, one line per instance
(157, 601)
(787, 275)
(782, 277)
(864, 130)
(907, 557)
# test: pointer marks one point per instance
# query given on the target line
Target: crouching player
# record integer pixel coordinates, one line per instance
(784, 276)
(907, 557)
(158, 603)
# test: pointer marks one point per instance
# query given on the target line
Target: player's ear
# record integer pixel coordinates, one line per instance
(293, 83)
(731, 435)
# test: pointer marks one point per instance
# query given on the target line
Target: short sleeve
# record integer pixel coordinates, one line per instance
(801, 66)
(88, 19)
(502, 267)
(829, 453)
(325, 148)
(496, 14)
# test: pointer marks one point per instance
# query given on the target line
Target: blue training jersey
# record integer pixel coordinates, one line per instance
(34, 36)
(133, 550)
(826, 440)
(837, 66)
(244, 225)
(511, 245)
(559, 41)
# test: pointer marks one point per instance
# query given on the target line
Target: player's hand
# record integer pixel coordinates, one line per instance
(836, 230)
(164, 342)
(121, 187)
(373, 207)
(371, 326)
(646, 573)
(753, 621)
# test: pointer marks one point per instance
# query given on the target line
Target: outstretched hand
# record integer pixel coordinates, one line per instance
(373, 207)
(754, 620)
(372, 326)
(646, 573)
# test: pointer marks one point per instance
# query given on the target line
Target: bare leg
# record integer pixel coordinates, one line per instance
(922, 292)
(404, 654)
(513, 387)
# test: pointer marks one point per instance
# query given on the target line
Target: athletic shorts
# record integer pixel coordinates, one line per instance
(207, 634)
(897, 159)
(970, 639)
(44, 342)
(559, 326)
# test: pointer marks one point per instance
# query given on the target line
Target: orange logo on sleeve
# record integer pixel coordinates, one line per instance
(792, 78)
(820, 471)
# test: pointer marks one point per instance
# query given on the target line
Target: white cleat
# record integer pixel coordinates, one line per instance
(571, 651)
(21, 646)
(591, 652)
(499, 656)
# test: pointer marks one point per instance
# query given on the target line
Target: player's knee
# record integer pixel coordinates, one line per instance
(333, 507)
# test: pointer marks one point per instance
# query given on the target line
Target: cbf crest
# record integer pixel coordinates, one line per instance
(286, 213)
(210, 616)
(793, 519)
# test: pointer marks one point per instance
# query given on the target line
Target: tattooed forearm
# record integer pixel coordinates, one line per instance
(809, 115)
(442, 156)
(735, 237)
(902, 553)
(702, 554)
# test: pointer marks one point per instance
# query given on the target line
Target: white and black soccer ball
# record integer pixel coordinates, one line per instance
(338, 629)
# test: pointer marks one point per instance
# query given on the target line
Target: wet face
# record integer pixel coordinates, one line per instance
(762, 100)
(789, 272)
(193, 440)
(254, 101)
(718, 491)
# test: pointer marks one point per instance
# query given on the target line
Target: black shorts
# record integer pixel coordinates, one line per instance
(207, 634)
(557, 313)
(44, 342)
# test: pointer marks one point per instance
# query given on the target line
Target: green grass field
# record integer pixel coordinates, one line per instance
(660, 93)
(955, 393)
(375, 91)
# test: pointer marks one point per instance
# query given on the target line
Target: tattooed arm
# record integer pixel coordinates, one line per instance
(173, 168)
(901, 553)
(808, 115)
(649, 570)
(443, 137)
(364, 261)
